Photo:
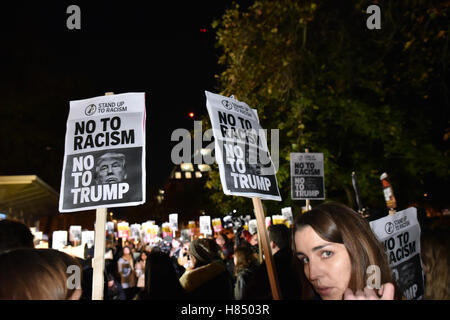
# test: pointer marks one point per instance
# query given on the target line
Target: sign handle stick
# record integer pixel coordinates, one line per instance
(271, 271)
(98, 262)
(260, 255)
(307, 200)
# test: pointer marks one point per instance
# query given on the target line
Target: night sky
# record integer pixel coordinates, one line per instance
(128, 46)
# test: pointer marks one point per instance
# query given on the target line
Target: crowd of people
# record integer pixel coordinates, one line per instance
(324, 256)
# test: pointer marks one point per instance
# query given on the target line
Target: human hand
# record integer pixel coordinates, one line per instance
(386, 292)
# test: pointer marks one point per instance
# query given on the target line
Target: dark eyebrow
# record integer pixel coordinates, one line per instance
(314, 249)
(320, 247)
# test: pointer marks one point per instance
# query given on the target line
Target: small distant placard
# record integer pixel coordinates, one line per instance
(307, 176)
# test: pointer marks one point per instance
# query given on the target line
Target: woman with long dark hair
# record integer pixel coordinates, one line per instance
(339, 256)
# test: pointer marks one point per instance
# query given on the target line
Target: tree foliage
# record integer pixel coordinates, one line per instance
(372, 101)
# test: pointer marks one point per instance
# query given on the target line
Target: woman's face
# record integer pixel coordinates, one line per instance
(126, 251)
(327, 265)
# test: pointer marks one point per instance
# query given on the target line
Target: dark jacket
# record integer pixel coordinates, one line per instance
(259, 288)
(209, 282)
(243, 279)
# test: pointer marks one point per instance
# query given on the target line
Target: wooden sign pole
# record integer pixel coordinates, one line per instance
(98, 262)
(307, 200)
(271, 271)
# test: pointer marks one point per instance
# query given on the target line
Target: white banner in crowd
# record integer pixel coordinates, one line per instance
(75, 234)
(242, 154)
(110, 227)
(104, 158)
(135, 230)
(205, 225)
(87, 237)
(252, 226)
(400, 234)
(173, 220)
(287, 214)
(59, 239)
(307, 176)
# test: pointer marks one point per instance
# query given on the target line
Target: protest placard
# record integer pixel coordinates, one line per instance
(205, 225)
(245, 166)
(278, 219)
(59, 239)
(75, 234)
(307, 176)
(135, 231)
(123, 230)
(104, 158)
(242, 154)
(400, 234)
(173, 220)
(288, 216)
(217, 225)
(87, 237)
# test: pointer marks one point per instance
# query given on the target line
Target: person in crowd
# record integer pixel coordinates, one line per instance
(335, 246)
(435, 253)
(226, 250)
(245, 265)
(225, 245)
(39, 274)
(175, 251)
(111, 168)
(15, 234)
(208, 279)
(113, 290)
(140, 269)
(161, 279)
(289, 283)
(184, 260)
(125, 267)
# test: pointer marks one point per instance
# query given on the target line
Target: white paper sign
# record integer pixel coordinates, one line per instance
(307, 176)
(135, 230)
(75, 233)
(59, 239)
(287, 214)
(104, 158)
(205, 225)
(88, 237)
(173, 220)
(242, 154)
(400, 234)
(252, 226)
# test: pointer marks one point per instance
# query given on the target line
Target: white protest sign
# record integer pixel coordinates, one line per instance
(166, 229)
(245, 166)
(205, 225)
(400, 234)
(135, 230)
(110, 227)
(59, 239)
(123, 230)
(287, 214)
(173, 220)
(278, 219)
(87, 237)
(307, 176)
(217, 224)
(104, 158)
(75, 233)
(252, 226)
